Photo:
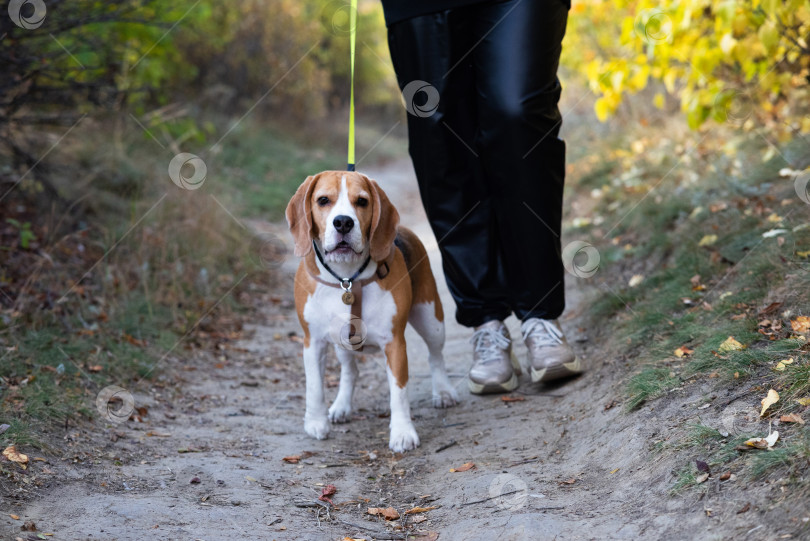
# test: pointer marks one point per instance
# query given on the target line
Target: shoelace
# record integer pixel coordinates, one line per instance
(544, 332)
(489, 343)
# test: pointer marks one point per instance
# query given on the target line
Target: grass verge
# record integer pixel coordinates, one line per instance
(704, 259)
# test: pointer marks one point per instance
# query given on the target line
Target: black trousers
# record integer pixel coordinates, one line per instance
(488, 158)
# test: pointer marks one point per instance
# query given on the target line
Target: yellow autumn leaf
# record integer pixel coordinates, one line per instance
(764, 443)
(804, 401)
(415, 510)
(602, 109)
(801, 324)
(768, 401)
(781, 365)
(14, 455)
(730, 344)
(707, 240)
(804, 254)
(683, 351)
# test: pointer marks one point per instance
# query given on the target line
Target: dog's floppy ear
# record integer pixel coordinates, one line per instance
(299, 216)
(384, 222)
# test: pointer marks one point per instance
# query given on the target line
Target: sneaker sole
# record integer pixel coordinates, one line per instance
(489, 388)
(560, 371)
(509, 385)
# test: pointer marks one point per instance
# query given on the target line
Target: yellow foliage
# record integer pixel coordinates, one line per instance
(745, 63)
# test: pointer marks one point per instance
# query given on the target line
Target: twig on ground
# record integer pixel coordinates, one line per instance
(527, 461)
(492, 497)
(446, 446)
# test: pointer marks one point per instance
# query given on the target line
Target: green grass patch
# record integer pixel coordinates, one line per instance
(650, 383)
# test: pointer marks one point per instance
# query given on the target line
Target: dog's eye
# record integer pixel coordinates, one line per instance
(361, 202)
(323, 201)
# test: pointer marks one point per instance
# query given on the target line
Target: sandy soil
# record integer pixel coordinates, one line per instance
(562, 462)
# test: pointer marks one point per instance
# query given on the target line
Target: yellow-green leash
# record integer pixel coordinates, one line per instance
(352, 32)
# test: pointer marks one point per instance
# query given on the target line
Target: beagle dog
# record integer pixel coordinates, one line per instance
(361, 279)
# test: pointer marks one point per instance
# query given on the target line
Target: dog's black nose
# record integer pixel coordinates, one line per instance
(343, 224)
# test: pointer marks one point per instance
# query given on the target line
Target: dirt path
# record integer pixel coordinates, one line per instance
(206, 463)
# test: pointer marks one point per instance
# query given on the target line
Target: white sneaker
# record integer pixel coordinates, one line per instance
(550, 356)
(495, 369)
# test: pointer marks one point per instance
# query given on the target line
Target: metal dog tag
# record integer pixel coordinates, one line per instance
(348, 298)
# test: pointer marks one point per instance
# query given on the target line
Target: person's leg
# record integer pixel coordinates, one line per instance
(515, 67)
(516, 75)
(456, 197)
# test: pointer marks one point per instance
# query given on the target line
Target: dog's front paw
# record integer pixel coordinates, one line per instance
(444, 395)
(445, 399)
(403, 438)
(340, 413)
(317, 427)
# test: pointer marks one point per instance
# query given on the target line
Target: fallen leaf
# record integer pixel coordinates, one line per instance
(773, 233)
(768, 401)
(763, 443)
(701, 478)
(614, 470)
(635, 280)
(14, 455)
(513, 398)
(801, 324)
(388, 513)
(683, 351)
(15, 517)
(418, 519)
(464, 467)
(744, 509)
(781, 365)
(568, 481)
(707, 240)
(328, 490)
(725, 476)
(791, 418)
(770, 309)
(702, 466)
(420, 510)
(292, 459)
(729, 344)
(29, 526)
(195, 481)
(804, 401)
(95, 368)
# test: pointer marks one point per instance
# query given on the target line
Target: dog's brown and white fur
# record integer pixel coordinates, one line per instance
(407, 294)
